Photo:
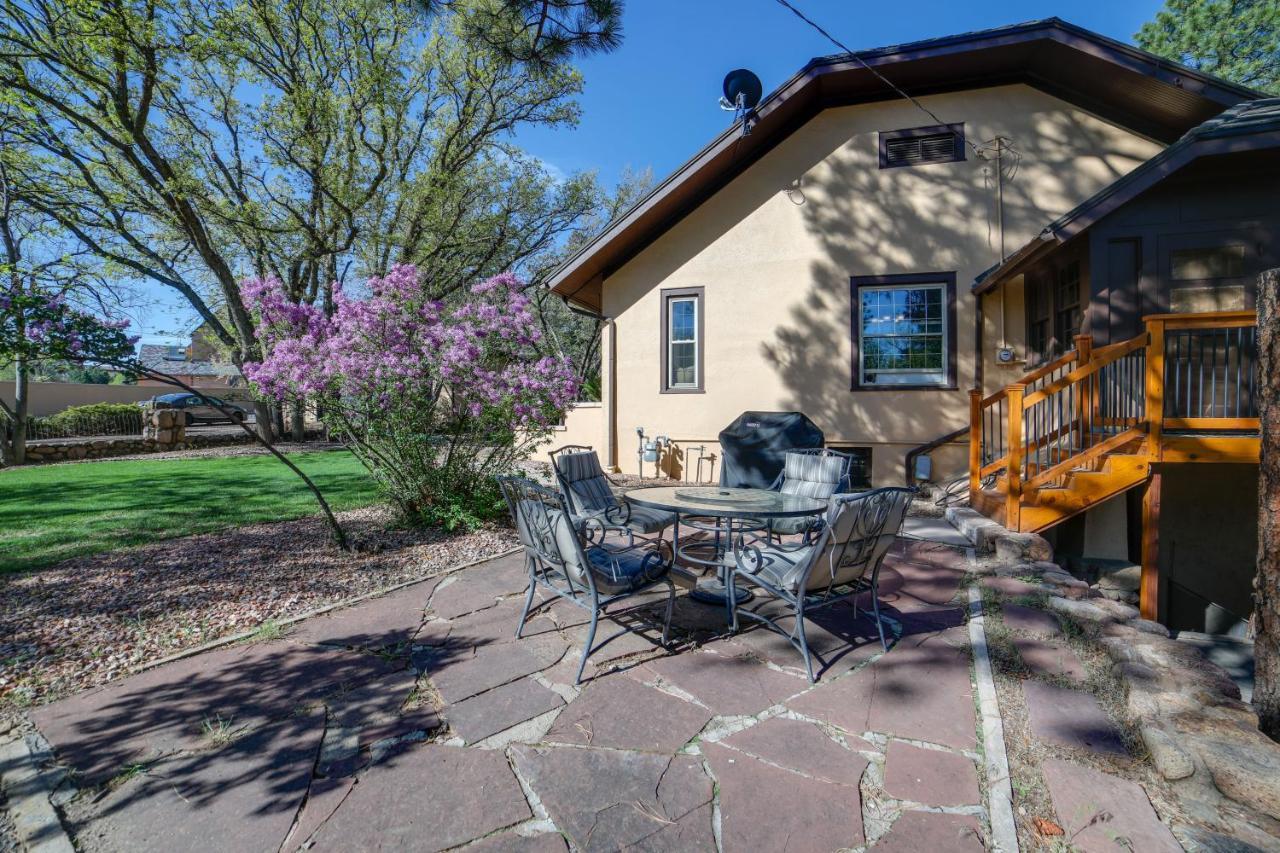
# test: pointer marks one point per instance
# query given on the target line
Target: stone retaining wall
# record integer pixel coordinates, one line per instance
(102, 448)
(1200, 736)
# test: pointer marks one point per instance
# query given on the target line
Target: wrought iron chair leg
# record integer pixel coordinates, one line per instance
(731, 598)
(528, 599)
(671, 606)
(586, 650)
(875, 606)
(804, 646)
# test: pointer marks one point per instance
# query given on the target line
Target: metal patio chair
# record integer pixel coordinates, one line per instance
(842, 561)
(592, 501)
(590, 576)
(816, 473)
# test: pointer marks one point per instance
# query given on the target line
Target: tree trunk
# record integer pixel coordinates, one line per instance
(297, 421)
(262, 420)
(1266, 616)
(22, 376)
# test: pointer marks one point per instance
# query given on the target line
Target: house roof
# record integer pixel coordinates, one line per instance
(173, 360)
(1250, 126)
(1138, 90)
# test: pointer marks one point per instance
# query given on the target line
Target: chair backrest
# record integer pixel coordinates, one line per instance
(859, 531)
(818, 473)
(582, 480)
(546, 530)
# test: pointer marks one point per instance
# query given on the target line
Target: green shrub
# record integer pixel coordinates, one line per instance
(96, 418)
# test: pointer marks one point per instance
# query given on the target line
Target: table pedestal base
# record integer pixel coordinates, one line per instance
(712, 591)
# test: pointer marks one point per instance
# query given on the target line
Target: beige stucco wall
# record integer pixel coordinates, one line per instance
(776, 247)
(583, 424)
(49, 398)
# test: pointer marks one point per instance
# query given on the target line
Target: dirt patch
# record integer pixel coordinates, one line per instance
(89, 620)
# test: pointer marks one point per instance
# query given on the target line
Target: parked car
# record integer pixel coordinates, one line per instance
(200, 408)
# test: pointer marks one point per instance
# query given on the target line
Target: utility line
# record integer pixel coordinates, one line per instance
(885, 80)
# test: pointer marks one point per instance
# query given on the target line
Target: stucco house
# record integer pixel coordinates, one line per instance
(870, 260)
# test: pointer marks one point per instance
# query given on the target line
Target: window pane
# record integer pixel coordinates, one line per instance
(684, 369)
(1215, 262)
(683, 320)
(903, 335)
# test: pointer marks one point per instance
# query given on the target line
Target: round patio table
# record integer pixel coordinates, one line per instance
(729, 512)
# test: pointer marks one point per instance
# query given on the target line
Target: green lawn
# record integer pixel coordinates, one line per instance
(50, 513)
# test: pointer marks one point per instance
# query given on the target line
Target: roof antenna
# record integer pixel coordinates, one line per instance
(742, 92)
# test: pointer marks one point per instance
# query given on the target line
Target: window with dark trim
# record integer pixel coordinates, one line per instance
(682, 340)
(916, 146)
(859, 465)
(903, 331)
(1067, 316)
(1055, 310)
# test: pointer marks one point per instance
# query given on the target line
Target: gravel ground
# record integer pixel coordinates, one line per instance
(92, 619)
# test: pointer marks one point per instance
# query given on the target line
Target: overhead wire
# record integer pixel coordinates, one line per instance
(878, 75)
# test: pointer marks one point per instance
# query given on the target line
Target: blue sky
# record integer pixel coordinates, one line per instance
(652, 103)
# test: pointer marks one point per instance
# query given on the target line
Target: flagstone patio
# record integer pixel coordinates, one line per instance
(418, 721)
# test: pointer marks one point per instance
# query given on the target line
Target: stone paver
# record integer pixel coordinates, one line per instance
(245, 795)
(801, 746)
(501, 708)
(727, 684)
(921, 832)
(604, 799)
(921, 693)
(331, 721)
(480, 587)
(1070, 718)
(621, 713)
(929, 776)
(763, 807)
(322, 801)
(462, 672)
(166, 709)
(1031, 620)
(543, 842)
(376, 702)
(906, 584)
(427, 798)
(384, 621)
(1100, 812)
(1011, 587)
(1047, 657)
(837, 640)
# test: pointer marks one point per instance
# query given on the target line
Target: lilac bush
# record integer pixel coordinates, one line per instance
(434, 399)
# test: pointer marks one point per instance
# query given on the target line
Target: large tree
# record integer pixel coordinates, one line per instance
(1266, 615)
(193, 144)
(1235, 39)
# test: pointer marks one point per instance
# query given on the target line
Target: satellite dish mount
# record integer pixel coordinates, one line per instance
(742, 92)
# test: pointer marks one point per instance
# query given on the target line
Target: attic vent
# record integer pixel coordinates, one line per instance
(920, 145)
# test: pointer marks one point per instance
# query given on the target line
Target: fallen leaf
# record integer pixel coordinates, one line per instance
(1046, 827)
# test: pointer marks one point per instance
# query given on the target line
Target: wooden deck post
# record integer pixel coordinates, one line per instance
(1013, 474)
(1154, 403)
(1084, 399)
(975, 442)
(1149, 586)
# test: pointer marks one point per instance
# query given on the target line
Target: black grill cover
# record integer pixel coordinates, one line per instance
(754, 447)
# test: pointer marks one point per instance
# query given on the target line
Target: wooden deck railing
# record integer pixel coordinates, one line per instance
(1185, 373)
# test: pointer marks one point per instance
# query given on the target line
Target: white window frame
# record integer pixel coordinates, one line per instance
(910, 376)
(672, 384)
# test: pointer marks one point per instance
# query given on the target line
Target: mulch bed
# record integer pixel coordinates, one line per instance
(89, 620)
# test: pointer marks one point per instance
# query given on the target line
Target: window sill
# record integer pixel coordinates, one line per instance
(682, 391)
(949, 386)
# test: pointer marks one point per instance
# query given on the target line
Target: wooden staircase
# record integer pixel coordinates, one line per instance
(1093, 423)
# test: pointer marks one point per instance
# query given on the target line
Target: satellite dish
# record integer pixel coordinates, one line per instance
(742, 89)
